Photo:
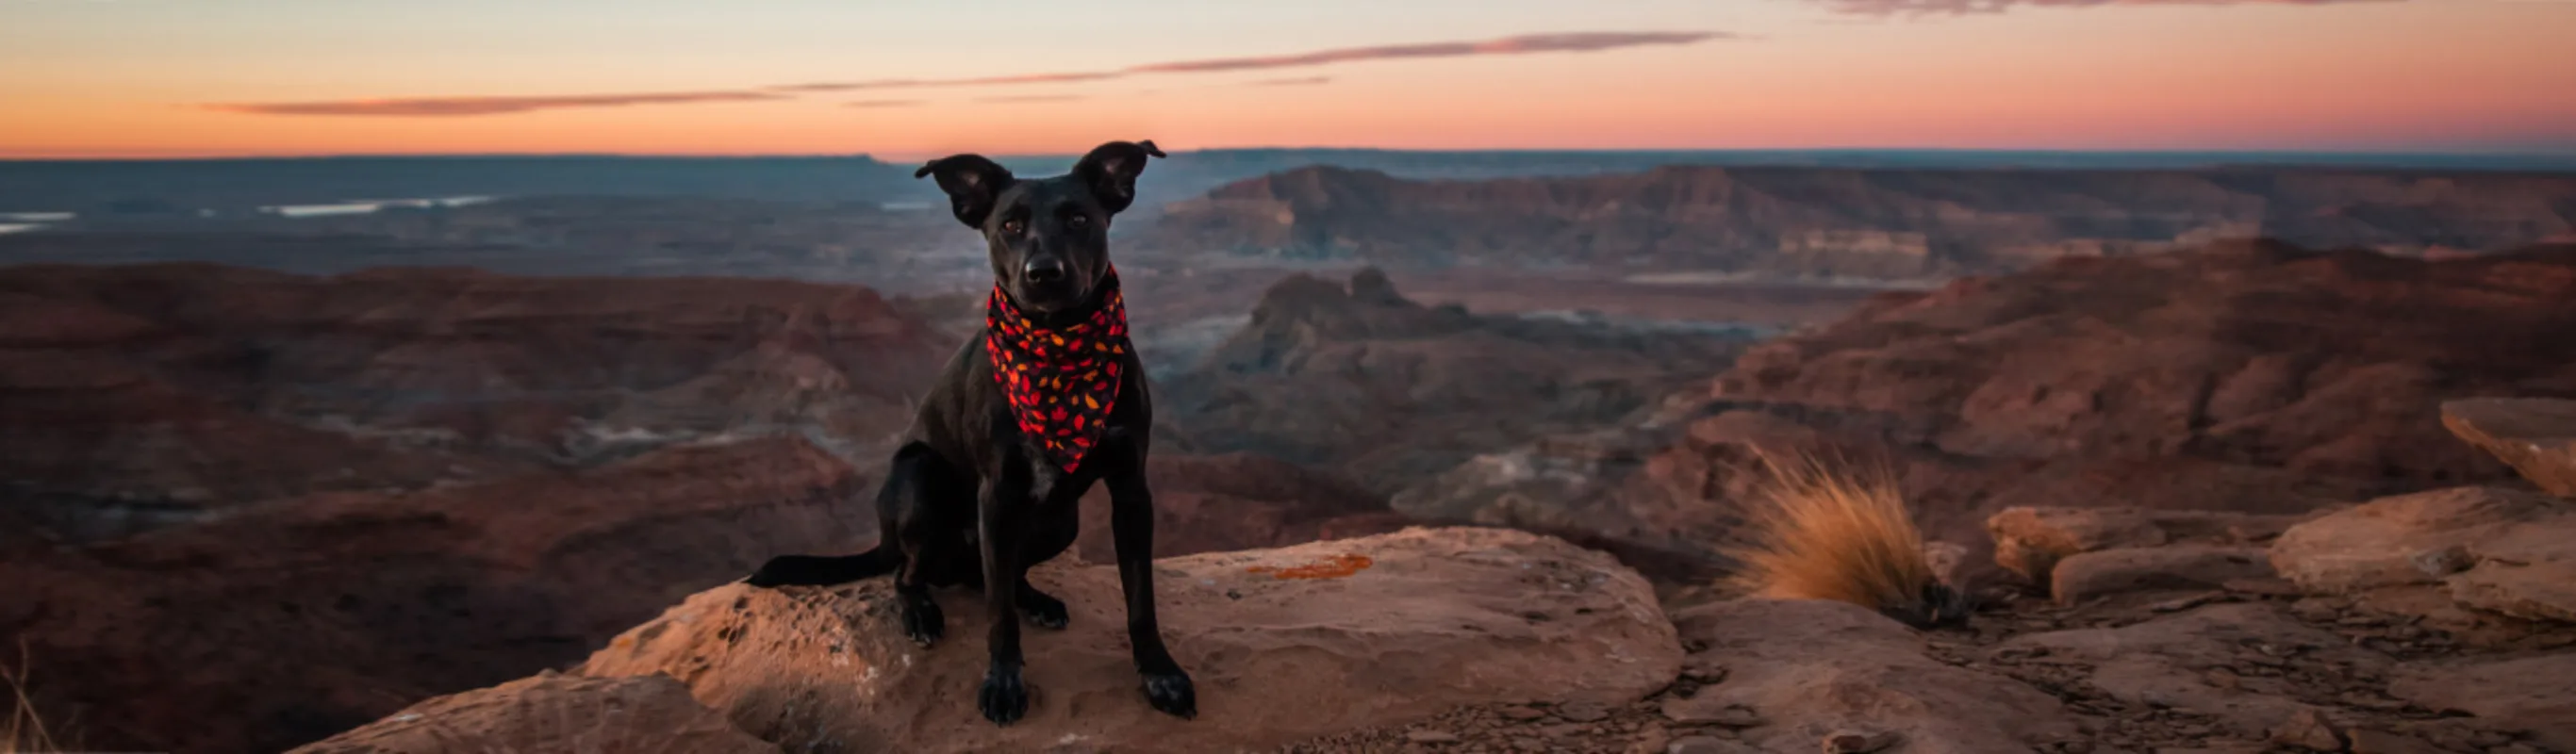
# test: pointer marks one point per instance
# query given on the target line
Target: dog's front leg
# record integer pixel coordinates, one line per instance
(1003, 504)
(1131, 523)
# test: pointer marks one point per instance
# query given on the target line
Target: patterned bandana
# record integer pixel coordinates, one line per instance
(1061, 380)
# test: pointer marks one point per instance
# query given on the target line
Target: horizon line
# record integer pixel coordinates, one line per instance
(905, 157)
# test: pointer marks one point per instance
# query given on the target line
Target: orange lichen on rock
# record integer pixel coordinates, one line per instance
(1335, 567)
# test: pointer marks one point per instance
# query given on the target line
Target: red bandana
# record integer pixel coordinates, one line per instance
(1061, 380)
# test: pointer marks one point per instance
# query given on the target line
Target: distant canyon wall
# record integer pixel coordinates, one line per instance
(1881, 223)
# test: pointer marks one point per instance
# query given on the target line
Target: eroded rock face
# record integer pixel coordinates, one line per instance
(290, 621)
(1284, 644)
(2536, 436)
(2324, 363)
(1799, 671)
(553, 712)
(1353, 378)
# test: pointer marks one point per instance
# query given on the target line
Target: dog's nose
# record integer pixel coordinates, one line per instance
(1046, 270)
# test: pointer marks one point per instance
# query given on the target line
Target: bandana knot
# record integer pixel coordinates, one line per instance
(1062, 379)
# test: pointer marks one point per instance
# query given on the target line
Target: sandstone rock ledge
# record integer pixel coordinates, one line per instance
(553, 712)
(2536, 436)
(1285, 644)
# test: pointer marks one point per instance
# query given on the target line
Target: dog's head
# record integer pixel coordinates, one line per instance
(1049, 237)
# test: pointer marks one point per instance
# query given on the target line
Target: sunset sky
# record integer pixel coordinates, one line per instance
(899, 79)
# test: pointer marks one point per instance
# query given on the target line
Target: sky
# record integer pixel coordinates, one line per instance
(901, 79)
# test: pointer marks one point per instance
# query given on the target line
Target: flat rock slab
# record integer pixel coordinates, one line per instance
(1285, 645)
(2086, 575)
(2536, 436)
(1801, 671)
(2165, 662)
(2535, 695)
(553, 712)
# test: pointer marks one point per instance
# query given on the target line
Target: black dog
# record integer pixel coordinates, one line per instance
(1049, 398)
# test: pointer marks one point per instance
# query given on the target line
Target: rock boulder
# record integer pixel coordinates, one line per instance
(1284, 644)
(2494, 549)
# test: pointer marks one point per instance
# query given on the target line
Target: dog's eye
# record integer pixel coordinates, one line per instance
(1013, 227)
(1078, 220)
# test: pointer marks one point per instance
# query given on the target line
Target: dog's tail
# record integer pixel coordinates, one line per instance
(818, 570)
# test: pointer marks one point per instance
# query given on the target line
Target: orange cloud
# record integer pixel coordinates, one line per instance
(884, 103)
(1305, 81)
(462, 106)
(1886, 7)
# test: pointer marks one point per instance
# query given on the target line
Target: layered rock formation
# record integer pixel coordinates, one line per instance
(2254, 378)
(1886, 223)
(1358, 379)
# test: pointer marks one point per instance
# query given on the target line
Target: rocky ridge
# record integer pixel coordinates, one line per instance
(1875, 223)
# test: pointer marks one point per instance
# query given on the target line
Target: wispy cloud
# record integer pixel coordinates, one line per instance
(1300, 81)
(885, 103)
(1032, 78)
(1032, 98)
(419, 107)
(1521, 45)
(1962, 7)
(1535, 43)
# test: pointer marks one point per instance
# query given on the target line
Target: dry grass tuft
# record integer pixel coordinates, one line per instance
(25, 732)
(1824, 530)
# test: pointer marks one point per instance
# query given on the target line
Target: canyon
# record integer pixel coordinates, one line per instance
(373, 480)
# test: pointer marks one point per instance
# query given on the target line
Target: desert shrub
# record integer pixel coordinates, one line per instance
(1823, 529)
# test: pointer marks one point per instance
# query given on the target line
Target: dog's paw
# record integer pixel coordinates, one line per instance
(1172, 693)
(1004, 698)
(922, 621)
(1043, 611)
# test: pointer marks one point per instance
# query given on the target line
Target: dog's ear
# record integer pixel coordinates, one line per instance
(972, 183)
(1111, 169)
